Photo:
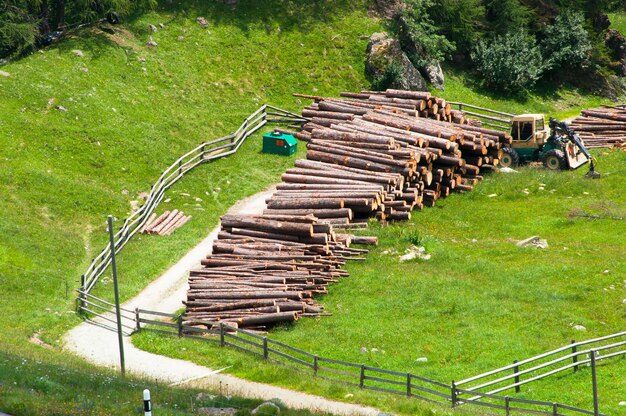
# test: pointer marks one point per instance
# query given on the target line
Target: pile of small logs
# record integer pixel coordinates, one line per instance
(368, 155)
(166, 223)
(602, 127)
(265, 270)
(412, 103)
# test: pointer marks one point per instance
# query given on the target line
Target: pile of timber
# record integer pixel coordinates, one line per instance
(265, 270)
(412, 103)
(602, 127)
(166, 223)
(366, 157)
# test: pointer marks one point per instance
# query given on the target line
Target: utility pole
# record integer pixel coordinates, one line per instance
(117, 295)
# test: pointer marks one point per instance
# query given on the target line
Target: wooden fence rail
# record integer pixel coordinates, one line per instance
(488, 117)
(205, 152)
(372, 378)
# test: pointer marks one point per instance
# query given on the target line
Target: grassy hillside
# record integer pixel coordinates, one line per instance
(480, 302)
(131, 111)
(83, 136)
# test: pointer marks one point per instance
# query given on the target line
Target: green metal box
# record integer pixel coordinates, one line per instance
(280, 144)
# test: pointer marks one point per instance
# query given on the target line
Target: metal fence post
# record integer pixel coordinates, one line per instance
(265, 350)
(594, 381)
(117, 295)
(516, 370)
(362, 376)
(222, 342)
(453, 393)
(575, 358)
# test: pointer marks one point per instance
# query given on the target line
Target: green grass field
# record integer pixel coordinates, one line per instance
(131, 111)
(481, 301)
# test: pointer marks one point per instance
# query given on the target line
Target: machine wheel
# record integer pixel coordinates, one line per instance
(554, 160)
(509, 158)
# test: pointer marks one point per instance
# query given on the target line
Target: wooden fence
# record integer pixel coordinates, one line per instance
(492, 118)
(462, 393)
(206, 152)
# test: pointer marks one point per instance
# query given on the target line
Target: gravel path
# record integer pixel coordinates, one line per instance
(98, 343)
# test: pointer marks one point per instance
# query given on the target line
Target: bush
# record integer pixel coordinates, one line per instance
(393, 74)
(566, 42)
(461, 21)
(511, 62)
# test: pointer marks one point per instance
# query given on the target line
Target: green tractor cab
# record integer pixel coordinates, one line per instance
(556, 145)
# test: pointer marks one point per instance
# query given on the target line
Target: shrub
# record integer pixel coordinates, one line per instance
(566, 42)
(393, 74)
(511, 62)
(18, 28)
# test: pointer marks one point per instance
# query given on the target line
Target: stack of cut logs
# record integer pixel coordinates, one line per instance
(166, 223)
(602, 127)
(266, 269)
(369, 155)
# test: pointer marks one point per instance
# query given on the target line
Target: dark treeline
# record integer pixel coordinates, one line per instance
(23, 23)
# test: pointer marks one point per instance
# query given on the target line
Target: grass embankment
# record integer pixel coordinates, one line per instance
(131, 111)
(481, 301)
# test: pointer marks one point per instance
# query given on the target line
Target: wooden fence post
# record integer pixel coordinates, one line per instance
(453, 393)
(575, 358)
(408, 384)
(179, 322)
(315, 364)
(362, 376)
(555, 409)
(137, 322)
(265, 350)
(515, 371)
(507, 405)
(222, 342)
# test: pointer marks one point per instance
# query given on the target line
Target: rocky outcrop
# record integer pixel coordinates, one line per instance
(616, 43)
(383, 54)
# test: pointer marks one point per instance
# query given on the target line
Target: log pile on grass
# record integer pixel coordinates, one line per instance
(603, 127)
(369, 155)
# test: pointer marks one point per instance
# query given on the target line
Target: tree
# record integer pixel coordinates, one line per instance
(419, 35)
(510, 62)
(460, 21)
(566, 42)
(504, 16)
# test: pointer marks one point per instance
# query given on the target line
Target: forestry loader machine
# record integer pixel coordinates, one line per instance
(557, 146)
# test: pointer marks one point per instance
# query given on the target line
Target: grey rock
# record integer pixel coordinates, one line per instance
(202, 21)
(152, 28)
(266, 409)
(579, 328)
(152, 44)
(161, 25)
(4, 74)
(534, 241)
(78, 53)
(216, 411)
(434, 73)
(363, 350)
(383, 51)
(61, 108)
